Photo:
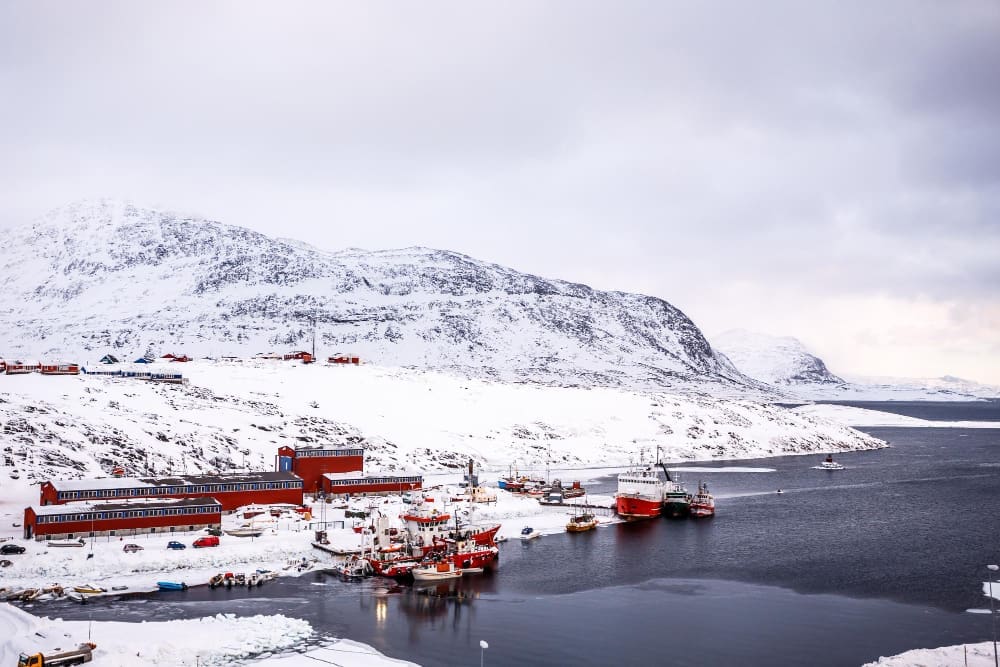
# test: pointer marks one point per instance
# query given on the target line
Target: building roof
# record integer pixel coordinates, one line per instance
(326, 448)
(120, 505)
(138, 482)
(358, 474)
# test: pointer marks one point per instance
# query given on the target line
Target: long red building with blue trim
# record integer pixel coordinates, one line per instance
(128, 517)
(230, 490)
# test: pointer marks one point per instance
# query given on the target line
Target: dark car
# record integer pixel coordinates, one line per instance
(8, 549)
(175, 545)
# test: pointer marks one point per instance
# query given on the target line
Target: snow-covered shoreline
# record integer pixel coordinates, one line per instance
(224, 639)
(860, 417)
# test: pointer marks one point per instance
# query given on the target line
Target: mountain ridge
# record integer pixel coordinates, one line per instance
(103, 275)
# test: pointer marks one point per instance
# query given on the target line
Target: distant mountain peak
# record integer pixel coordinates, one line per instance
(776, 360)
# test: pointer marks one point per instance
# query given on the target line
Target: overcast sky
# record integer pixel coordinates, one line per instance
(829, 171)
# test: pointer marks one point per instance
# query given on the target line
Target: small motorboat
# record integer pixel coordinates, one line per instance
(65, 543)
(119, 588)
(780, 492)
(582, 523)
(500, 538)
(89, 589)
(217, 580)
(828, 464)
(75, 597)
(438, 571)
(171, 586)
(529, 533)
(245, 532)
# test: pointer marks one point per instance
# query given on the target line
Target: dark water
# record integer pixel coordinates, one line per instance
(988, 410)
(841, 568)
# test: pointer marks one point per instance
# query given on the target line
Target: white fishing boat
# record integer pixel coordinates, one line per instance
(436, 571)
(829, 464)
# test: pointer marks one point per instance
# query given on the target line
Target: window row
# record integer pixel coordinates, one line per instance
(127, 514)
(179, 490)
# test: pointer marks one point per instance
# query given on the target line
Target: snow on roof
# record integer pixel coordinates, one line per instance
(132, 482)
(119, 505)
(359, 474)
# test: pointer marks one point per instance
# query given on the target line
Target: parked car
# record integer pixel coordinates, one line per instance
(214, 531)
(207, 541)
(8, 549)
(131, 548)
(174, 544)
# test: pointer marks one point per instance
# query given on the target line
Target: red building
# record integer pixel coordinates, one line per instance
(357, 483)
(230, 490)
(311, 463)
(22, 367)
(129, 517)
(344, 359)
(60, 369)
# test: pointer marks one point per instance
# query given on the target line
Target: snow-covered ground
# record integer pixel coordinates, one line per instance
(852, 416)
(973, 655)
(214, 640)
(235, 415)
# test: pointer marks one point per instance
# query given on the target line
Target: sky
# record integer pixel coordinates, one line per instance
(823, 170)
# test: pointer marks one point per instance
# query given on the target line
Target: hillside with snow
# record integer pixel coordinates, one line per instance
(772, 359)
(784, 363)
(234, 415)
(99, 277)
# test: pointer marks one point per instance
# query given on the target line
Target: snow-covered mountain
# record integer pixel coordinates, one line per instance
(784, 363)
(776, 360)
(104, 276)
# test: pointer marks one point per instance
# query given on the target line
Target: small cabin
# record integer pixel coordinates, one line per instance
(344, 359)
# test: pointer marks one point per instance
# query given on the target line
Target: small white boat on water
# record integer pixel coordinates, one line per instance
(529, 533)
(828, 464)
(436, 571)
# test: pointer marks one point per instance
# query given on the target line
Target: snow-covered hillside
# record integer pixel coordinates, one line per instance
(235, 415)
(772, 359)
(784, 363)
(98, 277)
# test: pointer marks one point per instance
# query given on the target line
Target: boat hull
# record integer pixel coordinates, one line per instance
(171, 586)
(700, 511)
(635, 508)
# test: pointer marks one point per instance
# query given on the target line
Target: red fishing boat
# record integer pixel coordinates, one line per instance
(703, 502)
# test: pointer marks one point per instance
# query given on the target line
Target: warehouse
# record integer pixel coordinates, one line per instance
(357, 483)
(231, 490)
(130, 517)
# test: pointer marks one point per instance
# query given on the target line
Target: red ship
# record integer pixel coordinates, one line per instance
(640, 494)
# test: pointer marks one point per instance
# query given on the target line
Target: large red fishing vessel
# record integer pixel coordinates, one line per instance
(640, 494)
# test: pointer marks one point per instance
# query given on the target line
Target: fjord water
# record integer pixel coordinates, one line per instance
(840, 568)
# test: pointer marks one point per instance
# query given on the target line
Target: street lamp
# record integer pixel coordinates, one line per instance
(482, 650)
(993, 620)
